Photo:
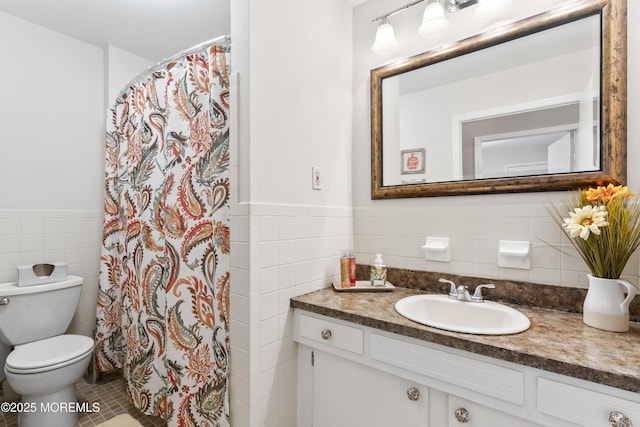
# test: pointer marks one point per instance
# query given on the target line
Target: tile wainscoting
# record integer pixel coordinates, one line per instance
(475, 229)
(72, 236)
(278, 252)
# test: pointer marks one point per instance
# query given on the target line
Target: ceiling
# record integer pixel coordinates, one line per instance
(153, 29)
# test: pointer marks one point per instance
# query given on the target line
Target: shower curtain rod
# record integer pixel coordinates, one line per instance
(224, 41)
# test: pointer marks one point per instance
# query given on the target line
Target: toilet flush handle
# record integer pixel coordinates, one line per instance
(4, 301)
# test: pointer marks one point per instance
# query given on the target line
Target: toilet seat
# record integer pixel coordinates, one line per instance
(48, 354)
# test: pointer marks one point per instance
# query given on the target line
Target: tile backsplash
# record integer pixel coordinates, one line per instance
(475, 227)
(33, 236)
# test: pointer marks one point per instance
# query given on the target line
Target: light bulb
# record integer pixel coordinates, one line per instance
(385, 38)
(433, 20)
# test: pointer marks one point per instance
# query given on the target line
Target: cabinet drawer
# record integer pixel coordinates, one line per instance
(491, 380)
(331, 334)
(580, 406)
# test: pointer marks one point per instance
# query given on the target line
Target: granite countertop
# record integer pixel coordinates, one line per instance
(557, 341)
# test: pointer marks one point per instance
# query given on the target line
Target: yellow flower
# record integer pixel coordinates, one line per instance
(586, 220)
(608, 193)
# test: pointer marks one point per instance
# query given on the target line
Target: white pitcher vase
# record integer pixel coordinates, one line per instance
(606, 306)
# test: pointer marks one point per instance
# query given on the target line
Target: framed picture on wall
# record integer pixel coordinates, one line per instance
(412, 161)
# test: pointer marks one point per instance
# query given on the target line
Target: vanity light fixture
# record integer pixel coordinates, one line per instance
(456, 5)
(434, 19)
(385, 38)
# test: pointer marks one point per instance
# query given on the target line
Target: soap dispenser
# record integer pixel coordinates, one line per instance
(378, 272)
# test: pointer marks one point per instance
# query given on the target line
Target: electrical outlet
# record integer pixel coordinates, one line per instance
(316, 183)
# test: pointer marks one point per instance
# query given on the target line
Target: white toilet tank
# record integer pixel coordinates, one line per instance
(36, 312)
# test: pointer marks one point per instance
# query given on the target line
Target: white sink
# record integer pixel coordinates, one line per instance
(481, 318)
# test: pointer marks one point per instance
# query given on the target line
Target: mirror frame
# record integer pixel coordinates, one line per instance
(613, 105)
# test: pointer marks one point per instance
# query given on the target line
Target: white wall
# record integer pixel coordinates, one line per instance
(300, 101)
(240, 290)
(398, 228)
(121, 67)
(52, 117)
(294, 60)
(52, 123)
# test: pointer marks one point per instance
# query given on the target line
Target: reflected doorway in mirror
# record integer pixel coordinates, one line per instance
(549, 136)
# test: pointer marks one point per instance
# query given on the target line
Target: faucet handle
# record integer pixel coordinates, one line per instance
(477, 294)
(453, 290)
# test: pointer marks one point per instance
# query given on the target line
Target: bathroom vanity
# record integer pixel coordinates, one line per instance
(361, 363)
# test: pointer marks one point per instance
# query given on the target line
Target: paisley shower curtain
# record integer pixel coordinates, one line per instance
(163, 302)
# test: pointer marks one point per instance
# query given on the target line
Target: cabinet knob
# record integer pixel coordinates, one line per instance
(462, 415)
(618, 419)
(325, 334)
(413, 394)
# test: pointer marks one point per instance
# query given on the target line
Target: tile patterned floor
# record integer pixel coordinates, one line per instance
(109, 394)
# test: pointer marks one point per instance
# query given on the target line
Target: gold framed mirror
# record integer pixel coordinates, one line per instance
(552, 116)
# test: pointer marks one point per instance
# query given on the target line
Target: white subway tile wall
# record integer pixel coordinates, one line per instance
(71, 236)
(240, 337)
(475, 230)
(279, 251)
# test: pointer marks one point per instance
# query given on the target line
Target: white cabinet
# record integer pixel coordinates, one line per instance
(352, 375)
(349, 394)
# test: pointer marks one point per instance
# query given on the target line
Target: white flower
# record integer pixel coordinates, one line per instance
(586, 220)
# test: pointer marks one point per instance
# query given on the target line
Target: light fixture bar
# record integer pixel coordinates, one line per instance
(398, 10)
(456, 5)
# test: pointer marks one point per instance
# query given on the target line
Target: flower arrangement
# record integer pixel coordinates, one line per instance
(603, 224)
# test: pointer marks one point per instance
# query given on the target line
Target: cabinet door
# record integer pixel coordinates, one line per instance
(348, 394)
(469, 414)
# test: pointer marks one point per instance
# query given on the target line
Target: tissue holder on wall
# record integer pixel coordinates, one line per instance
(437, 249)
(514, 254)
(39, 274)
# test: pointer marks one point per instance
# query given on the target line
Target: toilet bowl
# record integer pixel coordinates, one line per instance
(44, 363)
(44, 373)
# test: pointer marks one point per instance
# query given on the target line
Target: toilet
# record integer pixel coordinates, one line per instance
(44, 363)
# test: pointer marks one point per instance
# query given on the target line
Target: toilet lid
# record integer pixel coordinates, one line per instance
(61, 349)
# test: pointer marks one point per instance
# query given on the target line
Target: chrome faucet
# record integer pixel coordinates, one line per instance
(461, 293)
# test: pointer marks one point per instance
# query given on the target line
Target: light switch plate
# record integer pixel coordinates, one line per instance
(316, 183)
